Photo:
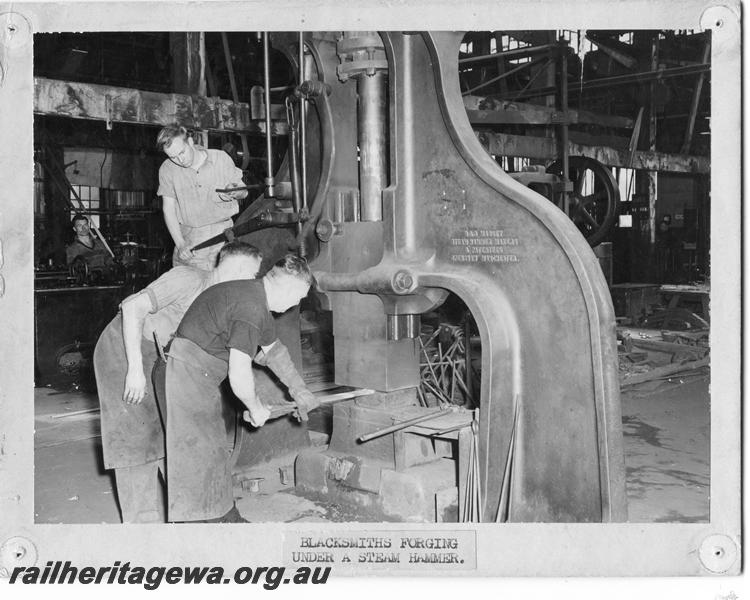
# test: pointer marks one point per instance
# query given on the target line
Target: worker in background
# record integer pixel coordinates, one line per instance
(193, 210)
(86, 246)
(666, 250)
(219, 337)
(132, 432)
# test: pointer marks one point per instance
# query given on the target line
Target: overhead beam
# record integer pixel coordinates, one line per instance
(489, 111)
(544, 148)
(608, 47)
(655, 74)
(125, 105)
(515, 53)
(607, 82)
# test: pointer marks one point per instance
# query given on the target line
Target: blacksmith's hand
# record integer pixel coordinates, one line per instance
(306, 401)
(256, 416)
(233, 195)
(184, 252)
(135, 386)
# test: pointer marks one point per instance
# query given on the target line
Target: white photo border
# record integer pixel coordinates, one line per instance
(628, 549)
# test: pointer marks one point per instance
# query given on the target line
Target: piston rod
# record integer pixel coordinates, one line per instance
(270, 192)
(372, 143)
(303, 120)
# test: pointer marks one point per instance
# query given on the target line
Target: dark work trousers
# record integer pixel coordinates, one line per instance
(132, 434)
(200, 434)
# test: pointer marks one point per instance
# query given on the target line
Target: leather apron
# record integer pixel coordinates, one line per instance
(200, 434)
(132, 434)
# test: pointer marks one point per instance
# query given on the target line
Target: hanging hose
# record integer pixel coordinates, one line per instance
(318, 92)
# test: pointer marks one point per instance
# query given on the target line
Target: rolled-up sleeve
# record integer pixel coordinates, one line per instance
(244, 336)
(166, 183)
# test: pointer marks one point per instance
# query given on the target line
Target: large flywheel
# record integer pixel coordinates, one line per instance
(594, 201)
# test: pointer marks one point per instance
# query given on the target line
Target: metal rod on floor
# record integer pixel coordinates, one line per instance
(398, 426)
(503, 509)
(75, 413)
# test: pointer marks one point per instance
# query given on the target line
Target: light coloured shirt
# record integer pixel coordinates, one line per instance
(171, 295)
(195, 191)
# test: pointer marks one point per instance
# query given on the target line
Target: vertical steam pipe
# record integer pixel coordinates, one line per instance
(372, 143)
(270, 192)
(407, 242)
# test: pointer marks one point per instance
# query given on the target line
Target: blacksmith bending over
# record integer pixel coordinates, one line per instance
(132, 432)
(218, 337)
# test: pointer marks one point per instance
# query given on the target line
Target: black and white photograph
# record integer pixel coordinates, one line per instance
(397, 290)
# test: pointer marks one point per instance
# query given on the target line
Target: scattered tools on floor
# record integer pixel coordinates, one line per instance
(673, 369)
(648, 355)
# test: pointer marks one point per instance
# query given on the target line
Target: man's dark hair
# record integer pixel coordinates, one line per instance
(78, 217)
(295, 266)
(238, 248)
(167, 135)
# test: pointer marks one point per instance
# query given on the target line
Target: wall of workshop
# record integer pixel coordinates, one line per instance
(117, 169)
(676, 196)
(686, 198)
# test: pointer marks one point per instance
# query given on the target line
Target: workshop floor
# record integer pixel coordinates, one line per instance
(666, 427)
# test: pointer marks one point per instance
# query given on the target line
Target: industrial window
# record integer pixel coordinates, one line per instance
(89, 197)
(510, 43)
(577, 40)
(626, 185)
(40, 205)
(512, 164)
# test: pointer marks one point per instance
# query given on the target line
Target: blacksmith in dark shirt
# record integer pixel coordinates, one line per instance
(218, 337)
